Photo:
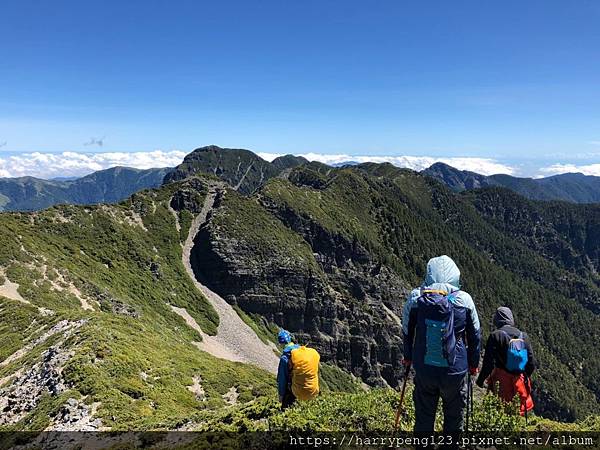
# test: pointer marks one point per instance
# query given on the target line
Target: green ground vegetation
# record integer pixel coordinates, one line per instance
(374, 412)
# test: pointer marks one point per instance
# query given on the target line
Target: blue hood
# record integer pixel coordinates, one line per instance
(443, 275)
(442, 271)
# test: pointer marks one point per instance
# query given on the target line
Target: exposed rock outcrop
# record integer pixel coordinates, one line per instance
(23, 395)
(24, 392)
(76, 415)
(343, 309)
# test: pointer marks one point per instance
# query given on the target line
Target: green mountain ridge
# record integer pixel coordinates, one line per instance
(328, 253)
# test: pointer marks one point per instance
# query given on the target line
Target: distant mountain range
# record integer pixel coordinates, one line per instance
(247, 172)
(570, 187)
(105, 186)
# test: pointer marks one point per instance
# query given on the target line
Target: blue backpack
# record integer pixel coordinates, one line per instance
(437, 313)
(516, 354)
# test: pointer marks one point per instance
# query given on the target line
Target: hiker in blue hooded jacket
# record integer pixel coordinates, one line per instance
(284, 375)
(442, 355)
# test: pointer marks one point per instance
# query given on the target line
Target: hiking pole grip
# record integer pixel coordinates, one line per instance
(401, 404)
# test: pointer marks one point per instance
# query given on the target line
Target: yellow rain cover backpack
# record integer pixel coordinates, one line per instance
(305, 372)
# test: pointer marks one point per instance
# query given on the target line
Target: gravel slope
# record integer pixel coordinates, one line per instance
(234, 340)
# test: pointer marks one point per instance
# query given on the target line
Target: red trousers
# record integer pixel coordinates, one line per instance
(509, 385)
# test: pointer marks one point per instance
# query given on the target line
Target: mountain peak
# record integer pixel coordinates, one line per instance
(289, 161)
(242, 169)
(455, 179)
(212, 148)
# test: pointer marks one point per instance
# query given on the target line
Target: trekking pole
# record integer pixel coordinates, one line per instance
(527, 390)
(401, 404)
(469, 400)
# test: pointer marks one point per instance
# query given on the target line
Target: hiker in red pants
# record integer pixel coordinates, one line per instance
(508, 361)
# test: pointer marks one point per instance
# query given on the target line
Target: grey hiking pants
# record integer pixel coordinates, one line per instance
(428, 389)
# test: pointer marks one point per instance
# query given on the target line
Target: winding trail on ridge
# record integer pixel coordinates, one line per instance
(234, 340)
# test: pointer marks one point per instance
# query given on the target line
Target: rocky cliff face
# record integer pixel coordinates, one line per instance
(330, 293)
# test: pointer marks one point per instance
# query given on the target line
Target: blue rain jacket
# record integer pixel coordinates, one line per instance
(283, 372)
(444, 275)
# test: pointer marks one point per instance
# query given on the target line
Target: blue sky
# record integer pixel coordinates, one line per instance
(517, 82)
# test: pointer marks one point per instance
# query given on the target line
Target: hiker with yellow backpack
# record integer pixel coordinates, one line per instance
(298, 372)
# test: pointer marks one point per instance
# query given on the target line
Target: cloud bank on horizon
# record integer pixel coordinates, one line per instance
(586, 169)
(74, 164)
(484, 166)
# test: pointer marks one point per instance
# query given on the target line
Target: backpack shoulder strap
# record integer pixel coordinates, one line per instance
(510, 338)
(452, 296)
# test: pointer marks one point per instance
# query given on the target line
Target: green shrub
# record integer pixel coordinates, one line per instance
(334, 379)
(493, 414)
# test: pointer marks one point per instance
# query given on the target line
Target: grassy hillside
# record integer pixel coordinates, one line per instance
(374, 412)
(92, 310)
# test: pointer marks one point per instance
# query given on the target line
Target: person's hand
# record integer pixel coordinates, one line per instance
(473, 370)
(406, 362)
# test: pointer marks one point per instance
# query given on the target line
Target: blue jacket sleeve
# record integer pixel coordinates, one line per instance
(473, 333)
(283, 374)
(409, 323)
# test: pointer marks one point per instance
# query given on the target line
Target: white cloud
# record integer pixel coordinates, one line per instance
(72, 164)
(69, 164)
(484, 166)
(588, 169)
